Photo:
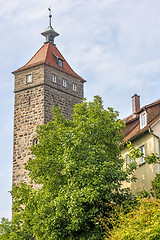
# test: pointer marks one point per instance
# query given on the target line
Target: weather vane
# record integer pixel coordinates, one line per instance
(50, 16)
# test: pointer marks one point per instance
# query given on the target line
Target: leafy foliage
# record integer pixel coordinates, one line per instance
(142, 220)
(155, 191)
(5, 228)
(142, 223)
(136, 152)
(79, 168)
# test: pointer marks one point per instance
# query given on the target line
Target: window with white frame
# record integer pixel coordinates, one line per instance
(128, 160)
(64, 83)
(74, 87)
(142, 158)
(28, 78)
(54, 78)
(143, 120)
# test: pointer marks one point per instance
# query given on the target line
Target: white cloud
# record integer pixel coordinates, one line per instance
(113, 44)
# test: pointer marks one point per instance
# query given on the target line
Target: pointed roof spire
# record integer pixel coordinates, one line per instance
(50, 33)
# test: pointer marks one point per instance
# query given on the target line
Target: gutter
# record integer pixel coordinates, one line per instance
(151, 132)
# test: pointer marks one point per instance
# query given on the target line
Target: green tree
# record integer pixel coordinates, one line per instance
(143, 219)
(80, 171)
(142, 223)
(156, 186)
(5, 229)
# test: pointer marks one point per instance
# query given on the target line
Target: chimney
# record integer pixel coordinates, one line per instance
(135, 103)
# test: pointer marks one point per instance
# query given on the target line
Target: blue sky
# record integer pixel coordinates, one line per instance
(113, 44)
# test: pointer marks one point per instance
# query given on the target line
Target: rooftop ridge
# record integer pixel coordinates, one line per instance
(149, 105)
(131, 116)
(46, 52)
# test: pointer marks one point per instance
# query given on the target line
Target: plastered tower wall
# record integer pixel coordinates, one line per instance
(33, 106)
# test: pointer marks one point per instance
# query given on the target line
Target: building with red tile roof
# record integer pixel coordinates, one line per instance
(143, 130)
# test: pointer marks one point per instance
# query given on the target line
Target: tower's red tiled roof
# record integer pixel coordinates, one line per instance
(46, 54)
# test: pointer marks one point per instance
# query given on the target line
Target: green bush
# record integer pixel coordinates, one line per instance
(142, 223)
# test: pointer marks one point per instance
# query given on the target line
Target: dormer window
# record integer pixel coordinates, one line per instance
(60, 63)
(143, 120)
(28, 78)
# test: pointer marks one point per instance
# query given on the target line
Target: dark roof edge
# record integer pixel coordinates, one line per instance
(137, 135)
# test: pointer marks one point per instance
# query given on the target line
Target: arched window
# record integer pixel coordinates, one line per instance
(35, 141)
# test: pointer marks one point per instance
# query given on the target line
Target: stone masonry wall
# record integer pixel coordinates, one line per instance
(57, 98)
(58, 95)
(33, 106)
(28, 113)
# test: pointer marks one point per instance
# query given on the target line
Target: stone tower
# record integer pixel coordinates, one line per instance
(46, 80)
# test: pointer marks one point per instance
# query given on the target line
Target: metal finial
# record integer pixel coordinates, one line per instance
(50, 16)
(50, 33)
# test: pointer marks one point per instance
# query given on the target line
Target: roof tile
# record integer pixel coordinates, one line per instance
(134, 129)
(46, 55)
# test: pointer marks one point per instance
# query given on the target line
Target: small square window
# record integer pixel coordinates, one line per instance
(54, 78)
(64, 83)
(28, 78)
(74, 87)
(143, 120)
(60, 63)
(142, 159)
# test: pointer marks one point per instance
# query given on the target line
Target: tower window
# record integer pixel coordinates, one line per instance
(64, 83)
(74, 87)
(54, 78)
(60, 63)
(28, 78)
(35, 141)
